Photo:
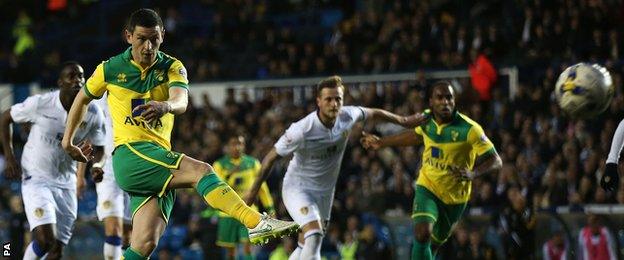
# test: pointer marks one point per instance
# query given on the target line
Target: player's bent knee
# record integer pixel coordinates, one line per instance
(311, 226)
(146, 247)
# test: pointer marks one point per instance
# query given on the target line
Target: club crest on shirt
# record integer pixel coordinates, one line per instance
(107, 204)
(121, 77)
(454, 135)
(38, 212)
(159, 75)
(304, 211)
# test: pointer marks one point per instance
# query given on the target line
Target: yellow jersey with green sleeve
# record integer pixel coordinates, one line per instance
(240, 174)
(128, 86)
(457, 144)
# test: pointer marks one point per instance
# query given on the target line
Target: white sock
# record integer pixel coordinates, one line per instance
(30, 254)
(312, 246)
(112, 252)
(295, 255)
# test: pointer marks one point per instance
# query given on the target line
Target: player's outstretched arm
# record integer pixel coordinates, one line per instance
(376, 114)
(484, 165)
(13, 169)
(265, 171)
(610, 178)
(405, 138)
(82, 151)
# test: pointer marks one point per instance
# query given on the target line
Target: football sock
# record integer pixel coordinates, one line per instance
(33, 251)
(219, 195)
(296, 254)
(421, 251)
(130, 254)
(312, 246)
(112, 247)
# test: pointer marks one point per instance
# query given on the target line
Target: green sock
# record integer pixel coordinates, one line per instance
(421, 251)
(130, 254)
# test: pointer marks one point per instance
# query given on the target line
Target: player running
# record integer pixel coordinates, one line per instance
(318, 142)
(238, 170)
(146, 88)
(48, 174)
(456, 151)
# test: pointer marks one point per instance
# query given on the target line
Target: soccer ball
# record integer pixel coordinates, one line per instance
(584, 90)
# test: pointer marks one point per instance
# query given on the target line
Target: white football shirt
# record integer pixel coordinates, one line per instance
(43, 158)
(317, 150)
(108, 135)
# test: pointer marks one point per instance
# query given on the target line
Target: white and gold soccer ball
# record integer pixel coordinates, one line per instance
(584, 90)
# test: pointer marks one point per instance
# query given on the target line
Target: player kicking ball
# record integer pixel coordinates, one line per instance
(456, 151)
(318, 142)
(146, 89)
(49, 187)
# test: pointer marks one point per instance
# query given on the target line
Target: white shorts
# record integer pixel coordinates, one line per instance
(50, 205)
(305, 206)
(112, 201)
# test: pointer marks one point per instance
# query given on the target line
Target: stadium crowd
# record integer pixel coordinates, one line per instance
(548, 160)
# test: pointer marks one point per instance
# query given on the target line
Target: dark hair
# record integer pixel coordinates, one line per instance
(145, 18)
(330, 82)
(67, 64)
(437, 84)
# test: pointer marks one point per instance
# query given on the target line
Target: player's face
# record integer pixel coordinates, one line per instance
(71, 79)
(236, 146)
(330, 101)
(442, 102)
(145, 43)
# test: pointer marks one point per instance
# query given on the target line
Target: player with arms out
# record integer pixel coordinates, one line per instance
(49, 186)
(146, 88)
(238, 170)
(112, 202)
(318, 142)
(456, 151)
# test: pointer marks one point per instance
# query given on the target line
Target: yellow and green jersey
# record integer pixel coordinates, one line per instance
(240, 174)
(128, 86)
(457, 144)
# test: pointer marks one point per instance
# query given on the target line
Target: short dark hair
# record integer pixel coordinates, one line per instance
(330, 82)
(437, 84)
(67, 64)
(145, 18)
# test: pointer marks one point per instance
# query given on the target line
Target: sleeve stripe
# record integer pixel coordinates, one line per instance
(488, 152)
(86, 90)
(178, 84)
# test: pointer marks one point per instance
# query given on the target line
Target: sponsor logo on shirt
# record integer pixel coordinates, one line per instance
(182, 72)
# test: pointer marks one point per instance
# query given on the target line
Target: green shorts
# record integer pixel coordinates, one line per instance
(143, 170)
(230, 232)
(428, 208)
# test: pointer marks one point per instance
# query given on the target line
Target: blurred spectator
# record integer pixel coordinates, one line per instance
(556, 247)
(595, 241)
(369, 247)
(516, 225)
(283, 250)
(482, 75)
